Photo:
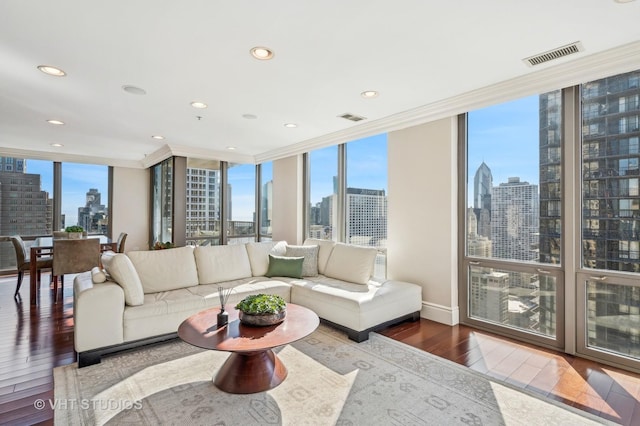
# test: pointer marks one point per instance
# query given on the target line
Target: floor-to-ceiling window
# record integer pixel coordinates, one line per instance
(366, 196)
(322, 196)
(203, 198)
(265, 206)
(241, 206)
(594, 139)
(162, 202)
(26, 203)
(347, 195)
(513, 218)
(85, 189)
(609, 282)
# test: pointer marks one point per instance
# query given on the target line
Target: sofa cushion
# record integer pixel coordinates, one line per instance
(351, 263)
(310, 254)
(222, 263)
(121, 270)
(259, 255)
(164, 270)
(326, 247)
(282, 266)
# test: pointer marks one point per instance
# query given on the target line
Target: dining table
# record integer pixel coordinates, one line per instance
(42, 247)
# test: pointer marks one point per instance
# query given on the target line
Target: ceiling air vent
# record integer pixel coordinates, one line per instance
(352, 117)
(569, 49)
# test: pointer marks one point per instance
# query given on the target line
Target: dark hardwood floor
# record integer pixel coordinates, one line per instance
(33, 341)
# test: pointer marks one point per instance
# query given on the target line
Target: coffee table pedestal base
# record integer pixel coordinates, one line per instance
(250, 372)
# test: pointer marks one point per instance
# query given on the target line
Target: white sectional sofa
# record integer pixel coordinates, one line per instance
(142, 297)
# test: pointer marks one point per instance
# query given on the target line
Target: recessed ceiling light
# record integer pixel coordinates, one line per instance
(134, 90)
(262, 53)
(249, 116)
(48, 69)
(290, 125)
(369, 94)
(57, 145)
(159, 137)
(623, 1)
(231, 148)
(197, 104)
(56, 122)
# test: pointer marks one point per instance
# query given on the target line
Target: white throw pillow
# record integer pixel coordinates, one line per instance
(326, 246)
(259, 255)
(164, 270)
(310, 254)
(97, 275)
(351, 263)
(222, 263)
(122, 271)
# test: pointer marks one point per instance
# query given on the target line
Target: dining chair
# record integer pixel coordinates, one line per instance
(121, 240)
(72, 257)
(60, 234)
(23, 262)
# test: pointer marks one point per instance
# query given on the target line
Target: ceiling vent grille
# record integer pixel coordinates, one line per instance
(560, 52)
(352, 117)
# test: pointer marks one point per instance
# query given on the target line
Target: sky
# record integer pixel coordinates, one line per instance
(506, 138)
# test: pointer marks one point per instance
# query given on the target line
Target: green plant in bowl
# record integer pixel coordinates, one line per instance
(262, 309)
(74, 228)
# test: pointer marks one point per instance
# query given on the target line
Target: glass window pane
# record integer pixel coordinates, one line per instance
(242, 203)
(323, 197)
(162, 202)
(26, 202)
(514, 170)
(613, 318)
(266, 203)
(610, 168)
(84, 197)
(203, 202)
(366, 196)
(513, 299)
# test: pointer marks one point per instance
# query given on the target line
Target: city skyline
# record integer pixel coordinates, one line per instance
(77, 180)
(509, 150)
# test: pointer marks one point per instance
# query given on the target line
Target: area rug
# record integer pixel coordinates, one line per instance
(331, 381)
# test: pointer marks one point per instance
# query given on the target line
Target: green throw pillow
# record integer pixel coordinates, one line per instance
(280, 266)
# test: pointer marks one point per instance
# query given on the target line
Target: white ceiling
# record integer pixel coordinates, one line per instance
(416, 53)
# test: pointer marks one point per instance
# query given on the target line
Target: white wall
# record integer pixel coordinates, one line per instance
(129, 210)
(422, 221)
(287, 200)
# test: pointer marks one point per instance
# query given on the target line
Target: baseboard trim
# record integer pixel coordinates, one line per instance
(439, 313)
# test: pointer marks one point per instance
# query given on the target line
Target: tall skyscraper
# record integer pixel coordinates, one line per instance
(93, 217)
(25, 209)
(267, 208)
(514, 220)
(203, 202)
(11, 164)
(610, 173)
(367, 217)
(550, 138)
(482, 187)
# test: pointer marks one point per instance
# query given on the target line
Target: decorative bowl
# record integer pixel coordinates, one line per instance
(262, 320)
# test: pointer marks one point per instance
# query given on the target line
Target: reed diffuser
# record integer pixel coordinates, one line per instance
(223, 316)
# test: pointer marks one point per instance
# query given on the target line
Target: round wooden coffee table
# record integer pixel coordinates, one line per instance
(252, 366)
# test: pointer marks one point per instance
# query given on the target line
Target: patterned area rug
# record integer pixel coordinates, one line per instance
(331, 381)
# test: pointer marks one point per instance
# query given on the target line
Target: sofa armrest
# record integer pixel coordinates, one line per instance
(98, 311)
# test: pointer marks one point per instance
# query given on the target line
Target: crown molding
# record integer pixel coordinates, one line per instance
(621, 59)
(167, 151)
